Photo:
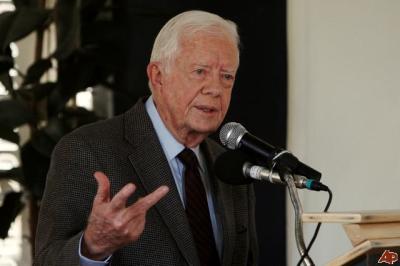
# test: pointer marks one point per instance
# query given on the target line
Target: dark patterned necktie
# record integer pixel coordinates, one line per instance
(197, 210)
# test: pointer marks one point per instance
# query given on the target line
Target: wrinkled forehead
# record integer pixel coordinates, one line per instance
(189, 35)
(215, 30)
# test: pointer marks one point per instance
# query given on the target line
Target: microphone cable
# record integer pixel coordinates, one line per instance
(328, 204)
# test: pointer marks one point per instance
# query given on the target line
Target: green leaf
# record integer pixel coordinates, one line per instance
(74, 117)
(6, 63)
(36, 92)
(9, 134)
(14, 173)
(14, 114)
(35, 166)
(75, 73)
(10, 209)
(26, 3)
(55, 129)
(25, 21)
(107, 37)
(57, 100)
(6, 21)
(43, 143)
(92, 4)
(36, 70)
(67, 19)
(90, 9)
(6, 80)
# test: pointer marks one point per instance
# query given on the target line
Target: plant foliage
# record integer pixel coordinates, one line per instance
(80, 61)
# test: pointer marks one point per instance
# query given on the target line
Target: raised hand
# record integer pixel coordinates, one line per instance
(111, 223)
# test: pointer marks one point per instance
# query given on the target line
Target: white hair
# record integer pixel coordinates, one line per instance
(166, 44)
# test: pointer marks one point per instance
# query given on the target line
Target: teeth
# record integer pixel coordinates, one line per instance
(205, 109)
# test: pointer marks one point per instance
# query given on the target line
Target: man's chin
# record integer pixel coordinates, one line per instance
(206, 128)
(197, 132)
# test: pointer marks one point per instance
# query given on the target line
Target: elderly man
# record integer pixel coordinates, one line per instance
(154, 199)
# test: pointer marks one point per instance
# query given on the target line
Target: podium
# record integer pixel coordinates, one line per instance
(374, 235)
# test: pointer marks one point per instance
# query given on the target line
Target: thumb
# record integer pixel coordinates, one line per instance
(103, 189)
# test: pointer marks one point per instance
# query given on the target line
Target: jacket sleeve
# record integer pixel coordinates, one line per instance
(66, 204)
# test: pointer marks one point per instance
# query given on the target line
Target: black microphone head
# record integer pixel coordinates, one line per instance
(230, 134)
(229, 168)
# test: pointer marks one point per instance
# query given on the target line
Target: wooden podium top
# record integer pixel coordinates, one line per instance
(368, 231)
(381, 216)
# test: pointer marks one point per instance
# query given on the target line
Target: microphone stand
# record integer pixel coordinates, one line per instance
(298, 210)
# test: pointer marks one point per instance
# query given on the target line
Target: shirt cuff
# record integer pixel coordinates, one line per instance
(88, 262)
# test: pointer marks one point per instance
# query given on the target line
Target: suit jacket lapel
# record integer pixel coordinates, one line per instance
(224, 204)
(151, 165)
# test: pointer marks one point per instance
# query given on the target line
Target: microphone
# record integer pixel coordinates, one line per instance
(233, 167)
(262, 173)
(234, 136)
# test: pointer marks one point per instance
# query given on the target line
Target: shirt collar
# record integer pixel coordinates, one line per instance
(169, 144)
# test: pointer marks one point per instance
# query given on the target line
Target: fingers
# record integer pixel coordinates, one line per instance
(154, 197)
(103, 189)
(145, 203)
(119, 200)
(112, 225)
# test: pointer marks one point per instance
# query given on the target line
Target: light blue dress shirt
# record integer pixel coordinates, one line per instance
(172, 148)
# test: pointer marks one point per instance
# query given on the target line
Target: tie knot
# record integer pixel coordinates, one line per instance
(188, 158)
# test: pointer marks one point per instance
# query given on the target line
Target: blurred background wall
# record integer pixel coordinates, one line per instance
(344, 106)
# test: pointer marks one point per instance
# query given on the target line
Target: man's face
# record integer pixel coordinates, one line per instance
(194, 94)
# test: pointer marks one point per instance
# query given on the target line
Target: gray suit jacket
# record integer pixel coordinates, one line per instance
(126, 149)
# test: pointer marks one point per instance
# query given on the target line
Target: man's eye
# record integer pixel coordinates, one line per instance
(199, 71)
(227, 76)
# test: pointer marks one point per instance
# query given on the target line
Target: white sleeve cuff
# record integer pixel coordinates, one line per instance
(88, 262)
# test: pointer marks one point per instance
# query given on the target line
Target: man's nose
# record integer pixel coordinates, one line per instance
(213, 86)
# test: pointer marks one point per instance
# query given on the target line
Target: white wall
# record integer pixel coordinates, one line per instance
(344, 108)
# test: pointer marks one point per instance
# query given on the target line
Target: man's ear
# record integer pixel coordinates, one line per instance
(155, 74)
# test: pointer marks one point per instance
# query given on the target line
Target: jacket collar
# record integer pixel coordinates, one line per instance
(150, 163)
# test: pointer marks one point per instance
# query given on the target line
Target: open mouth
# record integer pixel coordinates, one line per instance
(207, 109)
